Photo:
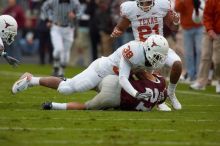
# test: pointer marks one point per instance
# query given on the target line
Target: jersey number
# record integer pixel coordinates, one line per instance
(127, 53)
(141, 107)
(146, 30)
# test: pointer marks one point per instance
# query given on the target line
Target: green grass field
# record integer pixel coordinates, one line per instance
(22, 122)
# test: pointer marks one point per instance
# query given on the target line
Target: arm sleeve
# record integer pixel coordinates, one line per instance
(208, 19)
(124, 72)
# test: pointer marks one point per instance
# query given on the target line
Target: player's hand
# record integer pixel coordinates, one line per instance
(143, 96)
(12, 61)
(116, 33)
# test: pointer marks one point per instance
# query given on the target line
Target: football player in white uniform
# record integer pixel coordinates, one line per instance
(8, 30)
(147, 17)
(150, 54)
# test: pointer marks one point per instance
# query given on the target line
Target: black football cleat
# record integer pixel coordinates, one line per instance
(47, 106)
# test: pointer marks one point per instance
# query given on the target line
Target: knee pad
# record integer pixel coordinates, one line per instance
(64, 88)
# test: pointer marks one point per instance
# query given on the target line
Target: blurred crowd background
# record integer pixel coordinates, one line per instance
(33, 39)
(92, 34)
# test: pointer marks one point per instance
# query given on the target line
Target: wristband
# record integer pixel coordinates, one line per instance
(4, 54)
(136, 95)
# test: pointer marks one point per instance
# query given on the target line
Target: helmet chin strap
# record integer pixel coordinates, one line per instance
(147, 63)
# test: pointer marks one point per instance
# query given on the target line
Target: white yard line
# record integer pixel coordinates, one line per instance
(98, 129)
(202, 105)
(197, 93)
(83, 129)
(120, 142)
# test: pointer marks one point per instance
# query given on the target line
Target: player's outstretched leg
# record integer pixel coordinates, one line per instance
(28, 80)
(63, 106)
(22, 83)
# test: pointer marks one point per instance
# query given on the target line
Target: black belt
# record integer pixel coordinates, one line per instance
(61, 25)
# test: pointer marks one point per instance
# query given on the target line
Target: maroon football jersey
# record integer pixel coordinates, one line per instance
(155, 89)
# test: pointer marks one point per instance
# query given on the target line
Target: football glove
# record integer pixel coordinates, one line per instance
(143, 96)
(12, 61)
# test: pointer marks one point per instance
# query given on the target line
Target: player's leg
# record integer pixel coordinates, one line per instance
(28, 80)
(63, 106)
(109, 97)
(84, 81)
(174, 62)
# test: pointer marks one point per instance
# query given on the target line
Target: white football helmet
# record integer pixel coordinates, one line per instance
(8, 28)
(145, 5)
(156, 50)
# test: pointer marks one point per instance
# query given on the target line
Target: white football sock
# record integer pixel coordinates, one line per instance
(171, 88)
(35, 81)
(59, 106)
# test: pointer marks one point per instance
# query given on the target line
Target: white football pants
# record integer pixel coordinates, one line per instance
(88, 79)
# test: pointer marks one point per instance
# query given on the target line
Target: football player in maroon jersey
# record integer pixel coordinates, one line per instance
(111, 94)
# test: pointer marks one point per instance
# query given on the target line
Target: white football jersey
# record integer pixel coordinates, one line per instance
(132, 51)
(145, 23)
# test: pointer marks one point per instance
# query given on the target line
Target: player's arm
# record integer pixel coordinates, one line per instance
(124, 72)
(172, 20)
(121, 27)
(12, 61)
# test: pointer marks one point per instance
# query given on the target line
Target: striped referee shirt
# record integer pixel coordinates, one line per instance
(57, 11)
